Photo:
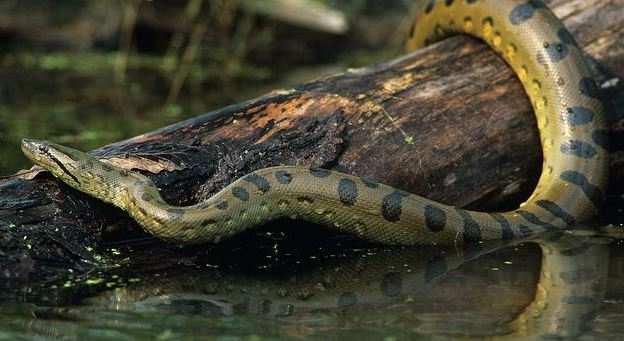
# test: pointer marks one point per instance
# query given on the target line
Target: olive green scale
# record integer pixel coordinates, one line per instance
(555, 76)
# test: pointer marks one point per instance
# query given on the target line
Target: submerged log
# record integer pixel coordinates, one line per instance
(450, 122)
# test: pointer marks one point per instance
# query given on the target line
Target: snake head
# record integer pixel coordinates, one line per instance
(77, 169)
(61, 161)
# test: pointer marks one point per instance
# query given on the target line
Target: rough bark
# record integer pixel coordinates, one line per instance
(450, 122)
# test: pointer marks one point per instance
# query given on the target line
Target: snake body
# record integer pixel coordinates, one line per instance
(570, 119)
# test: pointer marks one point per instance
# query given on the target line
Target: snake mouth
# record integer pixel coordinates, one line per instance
(41, 153)
(32, 148)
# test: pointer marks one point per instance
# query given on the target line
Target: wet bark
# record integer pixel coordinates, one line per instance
(450, 122)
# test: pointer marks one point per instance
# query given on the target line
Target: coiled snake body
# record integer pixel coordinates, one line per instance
(555, 76)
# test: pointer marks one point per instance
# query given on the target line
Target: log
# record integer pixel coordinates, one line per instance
(450, 122)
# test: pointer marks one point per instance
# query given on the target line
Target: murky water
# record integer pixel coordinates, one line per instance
(265, 287)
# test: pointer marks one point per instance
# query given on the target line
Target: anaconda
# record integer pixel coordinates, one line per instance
(555, 76)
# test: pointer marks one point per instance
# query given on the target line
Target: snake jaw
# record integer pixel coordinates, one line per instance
(54, 158)
(78, 169)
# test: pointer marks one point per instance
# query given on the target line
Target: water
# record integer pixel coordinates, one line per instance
(565, 285)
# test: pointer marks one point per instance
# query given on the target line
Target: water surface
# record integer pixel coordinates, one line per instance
(267, 285)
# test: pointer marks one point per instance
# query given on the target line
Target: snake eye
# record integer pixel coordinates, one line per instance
(43, 149)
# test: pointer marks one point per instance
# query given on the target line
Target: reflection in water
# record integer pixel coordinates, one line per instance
(572, 285)
(492, 290)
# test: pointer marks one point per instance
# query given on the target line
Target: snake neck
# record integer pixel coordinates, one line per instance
(110, 184)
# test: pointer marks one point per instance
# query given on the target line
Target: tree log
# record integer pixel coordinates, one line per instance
(450, 122)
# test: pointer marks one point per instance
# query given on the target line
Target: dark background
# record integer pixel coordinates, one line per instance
(87, 73)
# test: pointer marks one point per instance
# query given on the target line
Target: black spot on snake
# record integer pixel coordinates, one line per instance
(370, 183)
(392, 284)
(208, 222)
(566, 37)
(430, 6)
(557, 51)
(435, 268)
(449, 2)
(472, 1)
(472, 230)
(240, 193)
(435, 218)
(524, 12)
(283, 177)
(391, 206)
(578, 116)
(347, 299)
(259, 181)
(347, 192)
(601, 138)
(557, 211)
(319, 172)
(588, 87)
(578, 148)
(305, 200)
(535, 220)
(525, 231)
(593, 193)
(222, 205)
(506, 231)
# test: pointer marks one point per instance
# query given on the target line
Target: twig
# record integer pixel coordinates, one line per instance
(187, 63)
(171, 60)
(128, 22)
